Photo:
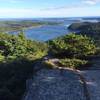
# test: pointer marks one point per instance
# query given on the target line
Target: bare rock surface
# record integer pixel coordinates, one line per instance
(92, 78)
(55, 84)
(60, 84)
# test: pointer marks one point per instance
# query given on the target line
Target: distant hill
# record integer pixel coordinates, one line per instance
(91, 29)
(88, 28)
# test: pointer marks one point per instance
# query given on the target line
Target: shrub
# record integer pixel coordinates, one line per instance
(73, 63)
(2, 58)
(13, 47)
(72, 45)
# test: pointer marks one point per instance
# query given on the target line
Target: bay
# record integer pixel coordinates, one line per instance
(48, 32)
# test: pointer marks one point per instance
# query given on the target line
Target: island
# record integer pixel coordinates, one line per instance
(91, 29)
(17, 25)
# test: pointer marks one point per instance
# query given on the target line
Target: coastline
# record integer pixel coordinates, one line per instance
(24, 28)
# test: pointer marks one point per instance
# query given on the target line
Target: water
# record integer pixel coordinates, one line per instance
(45, 33)
(48, 32)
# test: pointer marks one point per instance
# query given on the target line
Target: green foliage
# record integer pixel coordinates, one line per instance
(86, 27)
(89, 29)
(72, 45)
(2, 58)
(18, 46)
(10, 26)
(73, 63)
(81, 26)
(17, 58)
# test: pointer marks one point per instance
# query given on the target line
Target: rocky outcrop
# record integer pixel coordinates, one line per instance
(55, 84)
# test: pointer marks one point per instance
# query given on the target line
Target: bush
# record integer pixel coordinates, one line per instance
(2, 58)
(72, 45)
(13, 47)
(73, 63)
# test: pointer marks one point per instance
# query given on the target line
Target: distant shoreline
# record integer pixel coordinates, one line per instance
(23, 29)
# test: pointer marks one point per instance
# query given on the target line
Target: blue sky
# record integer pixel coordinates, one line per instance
(48, 8)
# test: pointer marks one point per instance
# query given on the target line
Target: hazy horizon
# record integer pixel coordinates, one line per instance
(49, 17)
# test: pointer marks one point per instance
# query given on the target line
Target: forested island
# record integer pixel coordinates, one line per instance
(88, 28)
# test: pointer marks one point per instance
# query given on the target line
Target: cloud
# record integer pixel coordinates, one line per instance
(27, 13)
(31, 13)
(82, 3)
(12, 1)
(91, 2)
(78, 9)
(65, 7)
(17, 13)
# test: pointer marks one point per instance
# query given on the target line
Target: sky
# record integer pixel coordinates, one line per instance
(48, 8)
